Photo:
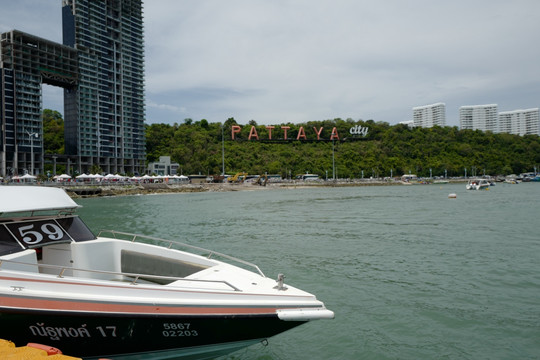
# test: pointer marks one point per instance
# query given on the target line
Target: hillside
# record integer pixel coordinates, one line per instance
(385, 149)
(197, 147)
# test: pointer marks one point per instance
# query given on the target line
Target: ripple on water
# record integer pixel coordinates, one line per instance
(409, 273)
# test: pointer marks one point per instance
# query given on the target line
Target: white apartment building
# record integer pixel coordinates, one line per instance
(163, 167)
(409, 123)
(479, 117)
(520, 122)
(429, 115)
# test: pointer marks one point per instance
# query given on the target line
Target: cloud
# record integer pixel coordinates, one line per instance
(36, 17)
(322, 59)
(167, 107)
(295, 61)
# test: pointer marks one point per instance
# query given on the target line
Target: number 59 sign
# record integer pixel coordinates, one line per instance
(37, 233)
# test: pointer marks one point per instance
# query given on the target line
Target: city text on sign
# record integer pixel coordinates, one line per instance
(359, 130)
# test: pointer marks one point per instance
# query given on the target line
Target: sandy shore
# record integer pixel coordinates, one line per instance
(83, 191)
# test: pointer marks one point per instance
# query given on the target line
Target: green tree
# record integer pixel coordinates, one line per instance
(53, 132)
(197, 147)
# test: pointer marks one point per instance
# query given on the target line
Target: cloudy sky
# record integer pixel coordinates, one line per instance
(276, 61)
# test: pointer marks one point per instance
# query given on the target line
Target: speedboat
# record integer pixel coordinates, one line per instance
(478, 184)
(126, 296)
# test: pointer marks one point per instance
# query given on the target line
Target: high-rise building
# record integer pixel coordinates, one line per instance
(429, 115)
(479, 117)
(27, 61)
(105, 115)
(100, 66)
(520, 122)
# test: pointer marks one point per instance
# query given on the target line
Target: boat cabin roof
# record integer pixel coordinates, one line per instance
(477, 180)
(17, 199)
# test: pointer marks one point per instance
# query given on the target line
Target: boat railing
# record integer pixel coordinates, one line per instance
(170, 243)
(136, 277)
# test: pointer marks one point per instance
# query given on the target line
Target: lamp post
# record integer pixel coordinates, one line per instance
(222, 152)
(333, 163)
(31, 136)
(54, 165)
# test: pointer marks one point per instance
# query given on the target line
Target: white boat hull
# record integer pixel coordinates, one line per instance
(98, 297)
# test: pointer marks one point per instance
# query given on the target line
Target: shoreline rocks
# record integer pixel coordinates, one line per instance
(85, 191)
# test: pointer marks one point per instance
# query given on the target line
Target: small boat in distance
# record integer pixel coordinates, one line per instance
(128, 296)
(308, 177)
(478, 184)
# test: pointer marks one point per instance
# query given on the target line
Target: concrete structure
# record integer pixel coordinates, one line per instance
(520, 122)
(409, 123)
(105, 116)
(101, 68)
(27, 61)
(429, 115)
(163, 167)
(479, 117)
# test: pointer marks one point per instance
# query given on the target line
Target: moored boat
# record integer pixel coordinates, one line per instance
(478, 184)
(125, 296)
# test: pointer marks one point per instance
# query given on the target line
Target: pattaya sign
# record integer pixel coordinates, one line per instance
(301, 135)
(359, 130)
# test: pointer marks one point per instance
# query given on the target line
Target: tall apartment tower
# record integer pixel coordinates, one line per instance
(479, 117)
(100, 66)
(520, 122)
(27, 62)
(104, 114)
(429, 115)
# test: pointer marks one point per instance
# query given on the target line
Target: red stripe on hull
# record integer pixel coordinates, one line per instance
(102, 307)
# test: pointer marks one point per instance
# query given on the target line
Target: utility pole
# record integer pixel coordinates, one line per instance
(31, 136)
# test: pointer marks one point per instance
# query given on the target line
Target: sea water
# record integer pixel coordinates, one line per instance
(409, 272)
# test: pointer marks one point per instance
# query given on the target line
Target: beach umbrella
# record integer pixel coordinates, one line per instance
(28, 178)
(62, 177)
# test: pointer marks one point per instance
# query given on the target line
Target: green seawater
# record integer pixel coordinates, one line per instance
(409, 272)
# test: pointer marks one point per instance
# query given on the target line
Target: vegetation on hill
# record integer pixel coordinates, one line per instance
(396, 149)
(53, 132)
(386, 149)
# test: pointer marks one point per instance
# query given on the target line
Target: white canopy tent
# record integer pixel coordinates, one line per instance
(25, 178)
(62, 177)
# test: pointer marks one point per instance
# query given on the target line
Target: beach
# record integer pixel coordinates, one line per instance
(78, 190)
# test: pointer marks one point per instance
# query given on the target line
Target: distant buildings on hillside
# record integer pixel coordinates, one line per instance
(429, 115)
(520, 122)
(480, 117)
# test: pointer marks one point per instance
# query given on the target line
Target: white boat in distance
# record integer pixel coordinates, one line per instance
(105, 297)
(478, 184)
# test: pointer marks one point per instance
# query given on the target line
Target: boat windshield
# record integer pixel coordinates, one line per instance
(19, 234)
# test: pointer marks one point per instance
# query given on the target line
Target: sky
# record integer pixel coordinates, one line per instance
(279, 61)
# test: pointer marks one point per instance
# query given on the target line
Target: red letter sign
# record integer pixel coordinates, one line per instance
(253, 133)
(269, 128)
(285, 128)
(318, 132)
(235, 129)
(301, 133)
(334, 134)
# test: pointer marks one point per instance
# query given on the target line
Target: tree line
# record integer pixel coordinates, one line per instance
(386, 149)
(198, 146)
